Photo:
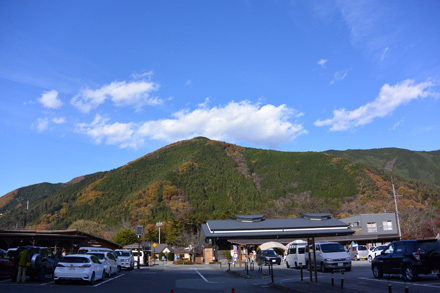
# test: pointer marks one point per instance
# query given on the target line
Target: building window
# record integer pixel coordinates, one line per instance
(387, 225)
(371, 227)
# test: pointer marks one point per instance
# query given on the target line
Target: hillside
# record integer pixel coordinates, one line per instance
(423, 166)
(187, 182)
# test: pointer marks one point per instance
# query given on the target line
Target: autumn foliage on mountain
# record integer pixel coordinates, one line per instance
(188, 182)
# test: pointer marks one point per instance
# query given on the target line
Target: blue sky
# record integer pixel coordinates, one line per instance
(88, 86)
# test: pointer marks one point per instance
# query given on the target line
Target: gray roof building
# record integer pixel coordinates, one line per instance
(256, 227)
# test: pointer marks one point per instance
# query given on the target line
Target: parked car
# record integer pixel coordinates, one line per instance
(126, 258)
(79, 267)
(409, 258)
(141, 256)
(296, 254)
(330, 256)
(42, 262)
(268, 256)
(6, 264)
(86, 249)
(358, 252)
(109, 262)
(375, 252)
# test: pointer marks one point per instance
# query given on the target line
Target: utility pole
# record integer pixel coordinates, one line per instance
(397, 212)
(25, 214)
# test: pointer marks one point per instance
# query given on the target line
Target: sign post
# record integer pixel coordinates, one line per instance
(139, 232)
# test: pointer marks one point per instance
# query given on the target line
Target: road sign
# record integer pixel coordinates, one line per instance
(154, 245)
(139, 231)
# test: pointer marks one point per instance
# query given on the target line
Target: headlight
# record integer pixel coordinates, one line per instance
(328, 260)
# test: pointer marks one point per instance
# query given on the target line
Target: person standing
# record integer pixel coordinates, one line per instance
(22, 266)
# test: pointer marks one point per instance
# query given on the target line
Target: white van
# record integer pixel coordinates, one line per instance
(330, 256)
(143, 257)
(296, 254)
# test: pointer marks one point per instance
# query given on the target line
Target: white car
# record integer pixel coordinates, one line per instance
(330, 256)
(375, 252)
(79, 267)
(109, 262)
(126, 258)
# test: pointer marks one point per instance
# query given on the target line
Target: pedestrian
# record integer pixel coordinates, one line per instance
(22, 266)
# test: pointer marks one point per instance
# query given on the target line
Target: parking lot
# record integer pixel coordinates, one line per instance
(213, 278)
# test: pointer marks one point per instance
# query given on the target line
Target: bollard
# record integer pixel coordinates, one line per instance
(247, 269)
(172, 291)
(406, 287)
(302, 276)
(232, 291)
(390, 290)
(252, 266)
(271, 271)
(229, 266)
(333, 280)
(342, 280)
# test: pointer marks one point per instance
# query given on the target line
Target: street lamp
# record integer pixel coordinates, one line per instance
(159, 224)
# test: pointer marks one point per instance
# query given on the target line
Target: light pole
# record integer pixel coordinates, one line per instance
(159, 224)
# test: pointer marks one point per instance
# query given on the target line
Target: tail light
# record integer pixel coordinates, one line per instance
(60, 266)
(416, 255)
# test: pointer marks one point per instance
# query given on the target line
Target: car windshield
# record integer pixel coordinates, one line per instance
(333, 247)
(268, 253)
(122, 253)
(382, 247)
(361, 247)
(75, 259)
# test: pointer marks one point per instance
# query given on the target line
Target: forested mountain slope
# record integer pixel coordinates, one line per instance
(190, 181)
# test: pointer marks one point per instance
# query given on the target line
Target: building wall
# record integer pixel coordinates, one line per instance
(380, 224)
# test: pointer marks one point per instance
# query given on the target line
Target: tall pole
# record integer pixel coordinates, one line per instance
(397, 213)
(159, 224)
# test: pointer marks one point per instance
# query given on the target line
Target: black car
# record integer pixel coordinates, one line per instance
(409, 258)
(42, 262)
(266, 257)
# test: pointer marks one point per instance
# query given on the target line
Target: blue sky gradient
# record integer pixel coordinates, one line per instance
(88, 86)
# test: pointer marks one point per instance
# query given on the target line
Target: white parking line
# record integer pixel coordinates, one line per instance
(436, 285)
(108, 280)
(204, 279)
(44, 284)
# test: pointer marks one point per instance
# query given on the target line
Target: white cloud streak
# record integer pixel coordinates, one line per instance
(122, 93)
(41, 125)
(50, 100)
(266, 125)
(339, 76)
(322, 62)
(390, 97)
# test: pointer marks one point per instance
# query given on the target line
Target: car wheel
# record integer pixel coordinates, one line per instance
(104, 274)
(377, 272)
(110, 273)
(323, 269)
(119, 270)
(296, 265)
(409, 273)
(92, 279)
(287, 264)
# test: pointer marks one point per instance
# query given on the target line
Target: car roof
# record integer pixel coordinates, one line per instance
(79, 255)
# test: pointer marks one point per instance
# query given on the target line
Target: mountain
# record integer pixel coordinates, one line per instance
(423, 166)
(187, 182)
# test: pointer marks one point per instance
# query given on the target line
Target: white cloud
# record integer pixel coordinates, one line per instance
(41, 125)
(339, 76)
(134, 93)
(390, 97)
(50, 100)
(322, 62)
(59, 120)
(384, 53)
(267, 125)
(122, 134)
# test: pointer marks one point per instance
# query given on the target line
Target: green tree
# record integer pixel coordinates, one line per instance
(88, 227)
(125, 236)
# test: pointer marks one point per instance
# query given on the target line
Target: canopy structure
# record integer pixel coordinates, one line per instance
(271, 245)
